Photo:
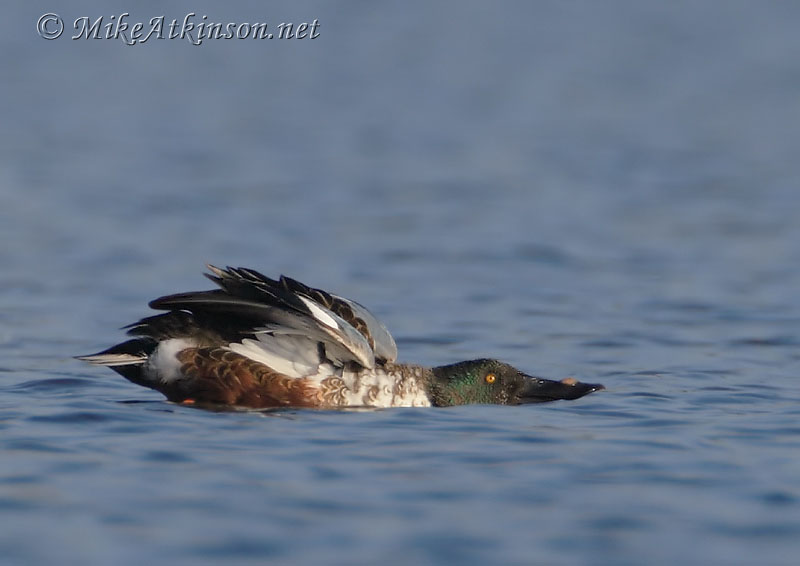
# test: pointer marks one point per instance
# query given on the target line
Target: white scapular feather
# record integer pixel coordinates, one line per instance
(291, 355)
(288, 343)
(321, 314)
(385, 346)
(343, 343)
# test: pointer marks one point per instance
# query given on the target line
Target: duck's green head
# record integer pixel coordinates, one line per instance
(492, 382)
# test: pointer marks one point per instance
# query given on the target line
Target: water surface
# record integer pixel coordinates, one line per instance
(602, 191)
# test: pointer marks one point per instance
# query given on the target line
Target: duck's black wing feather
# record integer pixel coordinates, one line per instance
(286, 306)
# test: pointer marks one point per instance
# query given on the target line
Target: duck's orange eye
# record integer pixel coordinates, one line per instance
(490, 378)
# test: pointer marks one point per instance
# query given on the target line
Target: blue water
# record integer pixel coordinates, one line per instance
(609, 191)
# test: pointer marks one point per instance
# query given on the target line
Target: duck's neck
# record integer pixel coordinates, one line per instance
(437, 384)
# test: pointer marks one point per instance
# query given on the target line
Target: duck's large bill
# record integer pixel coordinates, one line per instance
(538, 390)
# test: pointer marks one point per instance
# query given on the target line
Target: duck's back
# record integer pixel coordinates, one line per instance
(259, 342)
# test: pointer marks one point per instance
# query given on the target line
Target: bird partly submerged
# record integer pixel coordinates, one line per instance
(258, 342)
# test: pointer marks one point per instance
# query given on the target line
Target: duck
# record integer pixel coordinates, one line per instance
(258, 343)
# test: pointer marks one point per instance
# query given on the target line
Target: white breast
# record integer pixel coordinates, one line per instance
(379, 387)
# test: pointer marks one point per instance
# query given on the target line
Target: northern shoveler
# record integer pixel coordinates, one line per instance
(257, 342)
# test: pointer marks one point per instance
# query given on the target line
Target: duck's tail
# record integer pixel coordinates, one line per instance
(127, 359)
